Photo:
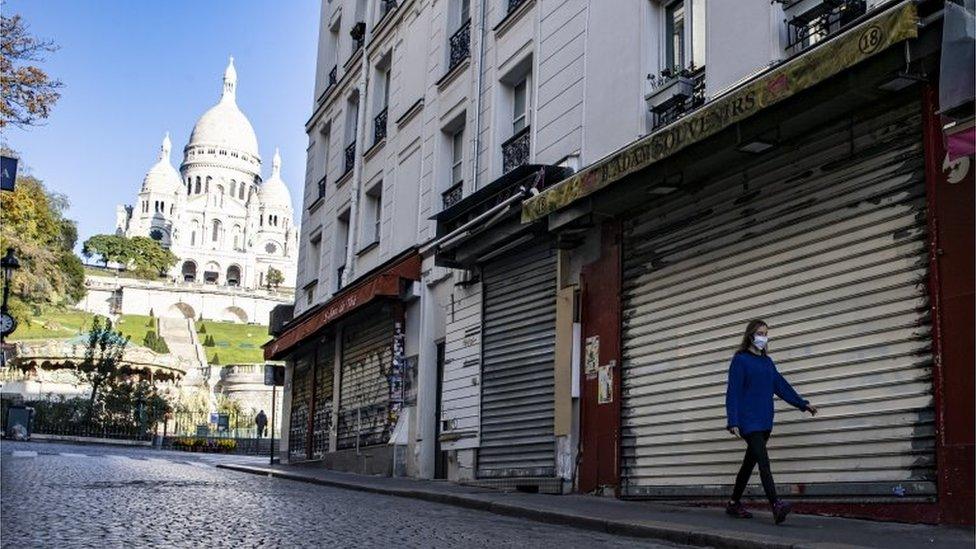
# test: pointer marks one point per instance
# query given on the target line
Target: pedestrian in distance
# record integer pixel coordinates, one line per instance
(753, 380)
(262, 422)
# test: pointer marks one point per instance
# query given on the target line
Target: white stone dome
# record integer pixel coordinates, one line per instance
(274, 192)
(224, 125)
(163, 177)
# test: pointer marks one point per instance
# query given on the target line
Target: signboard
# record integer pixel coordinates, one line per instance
(274, 375)
(8, 173)
(790, 78)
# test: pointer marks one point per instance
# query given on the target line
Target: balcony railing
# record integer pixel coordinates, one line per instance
(358, 33)
(386, 6)
(379, 126)
(515, 151)
(321, 189)
(514, 4)
(811, 22)
(350, 157)
(460, 45)
(690, 96)
(453, 195)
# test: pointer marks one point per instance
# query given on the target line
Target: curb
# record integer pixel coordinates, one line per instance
(703, 537)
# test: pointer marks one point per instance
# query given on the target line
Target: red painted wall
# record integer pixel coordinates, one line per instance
(952, 294)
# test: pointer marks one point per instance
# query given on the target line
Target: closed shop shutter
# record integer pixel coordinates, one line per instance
(826, 240)
(364, 394)
(517, 375)
(301, 385)
(324, 381)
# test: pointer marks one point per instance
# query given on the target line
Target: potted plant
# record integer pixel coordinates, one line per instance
(672, 85)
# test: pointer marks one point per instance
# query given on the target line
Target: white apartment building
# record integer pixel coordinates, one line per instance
(437, 318)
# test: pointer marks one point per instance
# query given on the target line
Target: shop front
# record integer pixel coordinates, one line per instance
(814, 210)
(346, 372)
(516, 268)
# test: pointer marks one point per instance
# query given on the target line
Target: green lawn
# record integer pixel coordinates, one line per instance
(54, 324)
(92, 270)
(235, 343)
(65, 324)
(134, 326)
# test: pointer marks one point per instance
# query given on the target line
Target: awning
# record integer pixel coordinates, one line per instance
(385, 281)
(849, 48)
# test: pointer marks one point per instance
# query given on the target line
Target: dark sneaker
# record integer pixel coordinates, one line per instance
(737, 510)
(780, 510)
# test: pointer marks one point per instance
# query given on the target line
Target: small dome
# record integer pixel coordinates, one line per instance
(273, 191)
(163, 177)
(224, 125)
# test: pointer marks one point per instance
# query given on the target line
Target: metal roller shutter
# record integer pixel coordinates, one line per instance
(517, 375)
(301, 383)
(364, 395)
(324, 381)
(826, 240)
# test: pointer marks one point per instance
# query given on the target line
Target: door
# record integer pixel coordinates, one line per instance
(600, 406)
(518, 355)
(825, 238)
(364, 396)
(440, 456)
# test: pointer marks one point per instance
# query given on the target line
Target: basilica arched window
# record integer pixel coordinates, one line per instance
(207, 186)
(219, 199)
(216, 230)
(233, 187)
(237, 236)
(242, 191)
(198, 185)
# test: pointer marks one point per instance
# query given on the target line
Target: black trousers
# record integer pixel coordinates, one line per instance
(755, 454)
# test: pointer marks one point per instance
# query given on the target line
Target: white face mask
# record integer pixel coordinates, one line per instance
(760, 341)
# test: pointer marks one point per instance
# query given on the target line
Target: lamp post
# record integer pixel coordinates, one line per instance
(8, 324)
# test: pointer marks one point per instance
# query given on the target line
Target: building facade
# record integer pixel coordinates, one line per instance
(529, 248)
(226, 224)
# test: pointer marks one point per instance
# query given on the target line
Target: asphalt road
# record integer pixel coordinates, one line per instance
(66, 495)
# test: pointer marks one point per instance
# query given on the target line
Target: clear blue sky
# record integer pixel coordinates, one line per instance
(133, 70)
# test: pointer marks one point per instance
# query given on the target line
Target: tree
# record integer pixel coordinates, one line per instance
(27, 93)
(103, 357)
(274, 278)
(32, 222)
(215, 361)
(144, 256)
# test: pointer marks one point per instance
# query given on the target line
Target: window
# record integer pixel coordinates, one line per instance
(520, 106)
(206, 187)
(457, 156)
(216, 230)
(270, 248)
(373, 214)
(314, 257)
(198, 185)
(156, 235)
(233, 187)
(342, 246)
(674, 34)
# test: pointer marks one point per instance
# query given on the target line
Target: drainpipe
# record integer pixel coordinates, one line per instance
(476, 140)
(357, 170)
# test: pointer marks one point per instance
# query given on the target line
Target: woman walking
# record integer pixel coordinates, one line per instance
(753, 380)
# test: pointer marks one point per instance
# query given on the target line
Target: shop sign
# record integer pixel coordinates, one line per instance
(847, 50)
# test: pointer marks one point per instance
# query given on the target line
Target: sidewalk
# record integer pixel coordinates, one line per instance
(678, 524)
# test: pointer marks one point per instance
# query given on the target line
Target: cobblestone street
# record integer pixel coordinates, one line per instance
(62, 495)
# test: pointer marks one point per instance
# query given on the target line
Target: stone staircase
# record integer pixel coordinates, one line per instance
(181, 337)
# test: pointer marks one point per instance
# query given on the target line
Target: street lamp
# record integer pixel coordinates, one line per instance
(9, 264)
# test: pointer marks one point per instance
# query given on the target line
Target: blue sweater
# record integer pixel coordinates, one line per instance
(753, 380)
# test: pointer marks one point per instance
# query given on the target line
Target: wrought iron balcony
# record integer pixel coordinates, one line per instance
(379, 126)
(453, 195)
(514, 4)
(515, 151)
(810, 21)
(386, 6)
(358, 33)
(460, 45)
(677, 94)
(321, 189)
(350, 157)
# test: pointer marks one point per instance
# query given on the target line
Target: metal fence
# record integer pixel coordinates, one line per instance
(239, 425)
